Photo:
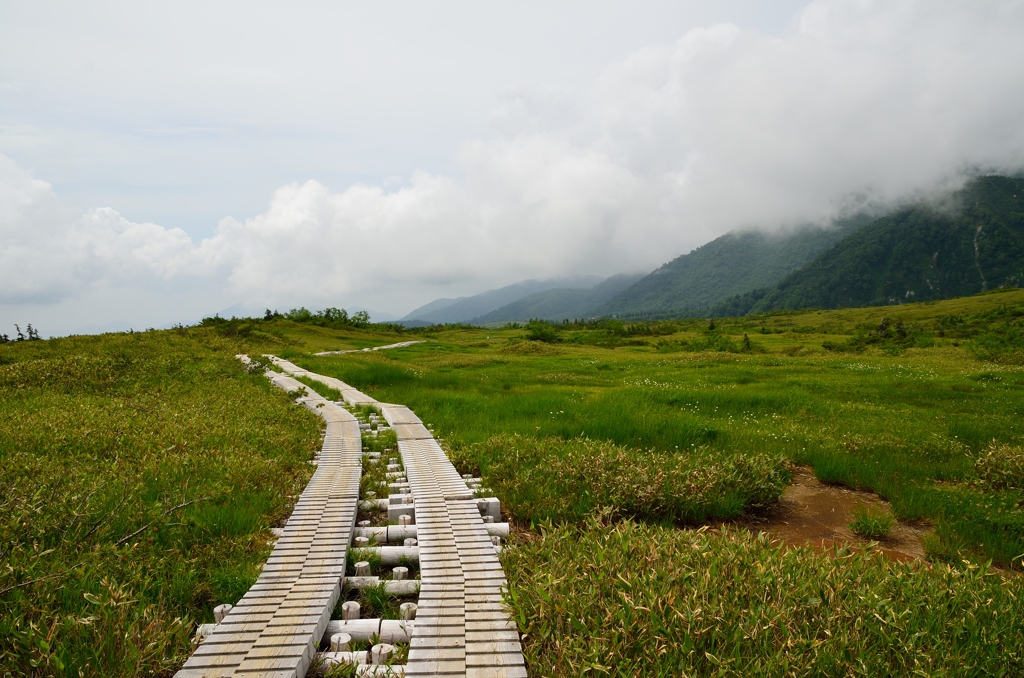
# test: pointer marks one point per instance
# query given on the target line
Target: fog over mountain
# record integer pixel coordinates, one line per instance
(590, 160)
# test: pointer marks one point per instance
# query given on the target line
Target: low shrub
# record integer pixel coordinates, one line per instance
(632, 599)
(1001, 467)
(710, 341)
(567, 480)
(520, 347)
(1001, 343)
(539, 330)
(893, 337)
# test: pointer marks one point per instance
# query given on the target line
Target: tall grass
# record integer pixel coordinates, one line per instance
(138, 475)
(551, 479)
(320, 388)
(871, 522)
(908, 427)
(630, 599)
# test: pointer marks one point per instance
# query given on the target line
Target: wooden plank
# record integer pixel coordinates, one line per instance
(276, 627)
(462, 627)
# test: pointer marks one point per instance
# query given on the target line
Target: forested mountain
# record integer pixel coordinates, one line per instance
(733, 264)
(972, 241)
(560, 304)
(465, 309)
(922, 252)
(432, 307)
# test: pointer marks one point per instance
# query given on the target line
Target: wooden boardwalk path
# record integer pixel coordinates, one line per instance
(401, 344)
(461, 627)
(276, 627)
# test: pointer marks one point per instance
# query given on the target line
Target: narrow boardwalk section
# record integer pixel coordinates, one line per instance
(276, 628)
(461, 627)
(401, 344)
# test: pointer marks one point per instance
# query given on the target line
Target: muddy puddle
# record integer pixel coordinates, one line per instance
(817, 515)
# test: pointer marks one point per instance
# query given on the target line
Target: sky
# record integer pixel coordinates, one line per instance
(164, 161)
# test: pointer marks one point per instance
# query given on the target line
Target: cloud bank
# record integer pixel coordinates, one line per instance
(725, 128)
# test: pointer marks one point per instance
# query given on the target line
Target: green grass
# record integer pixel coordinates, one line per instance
(630, 599)
(909, 424)
(320, 388)
(138, 476)
(871, 523)
(373, 602)
(664, 423)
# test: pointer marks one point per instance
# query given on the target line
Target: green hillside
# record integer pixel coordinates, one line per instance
(919, 253)
(465, 309)
(561, 303)
(140, 474)
(733, 264)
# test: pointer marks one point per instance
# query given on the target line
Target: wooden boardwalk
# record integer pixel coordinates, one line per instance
(400, 344)
(461, 627)
(275, 629)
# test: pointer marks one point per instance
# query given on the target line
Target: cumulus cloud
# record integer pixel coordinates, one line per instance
(877, 99)
(316, 245)
(676, 144)
(50, 250)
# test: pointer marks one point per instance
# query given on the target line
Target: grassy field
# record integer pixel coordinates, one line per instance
(138, 476)
(602, 440)
(630, 599)
(923, 404)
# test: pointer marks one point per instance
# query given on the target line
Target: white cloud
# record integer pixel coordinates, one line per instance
(313, 245)
(882, 98)
(672, 146)
(50, 251)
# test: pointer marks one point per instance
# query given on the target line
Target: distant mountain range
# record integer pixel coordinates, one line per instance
(560, 303)
(972, 241)
(467, 309)
(733, 264)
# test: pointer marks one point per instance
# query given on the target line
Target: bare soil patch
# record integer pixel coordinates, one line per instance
(811, 513)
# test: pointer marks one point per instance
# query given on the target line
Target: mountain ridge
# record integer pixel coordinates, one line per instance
(465, 309)
(916, 253)
(731, 264)
(560, 303)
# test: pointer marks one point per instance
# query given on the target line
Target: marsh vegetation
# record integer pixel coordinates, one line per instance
(610, 444)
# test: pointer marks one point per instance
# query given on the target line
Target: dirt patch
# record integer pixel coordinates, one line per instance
(817, 515)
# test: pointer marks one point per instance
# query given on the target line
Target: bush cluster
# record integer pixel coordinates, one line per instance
(598, 331)
(632, 599)
(333, 318)
(712, 341)
(893, 336)
(1001, 467)
(568, 480)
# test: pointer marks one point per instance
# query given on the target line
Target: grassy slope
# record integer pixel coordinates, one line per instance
(732, 264)
(908, 426)
(88, 422)
(101, 436)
